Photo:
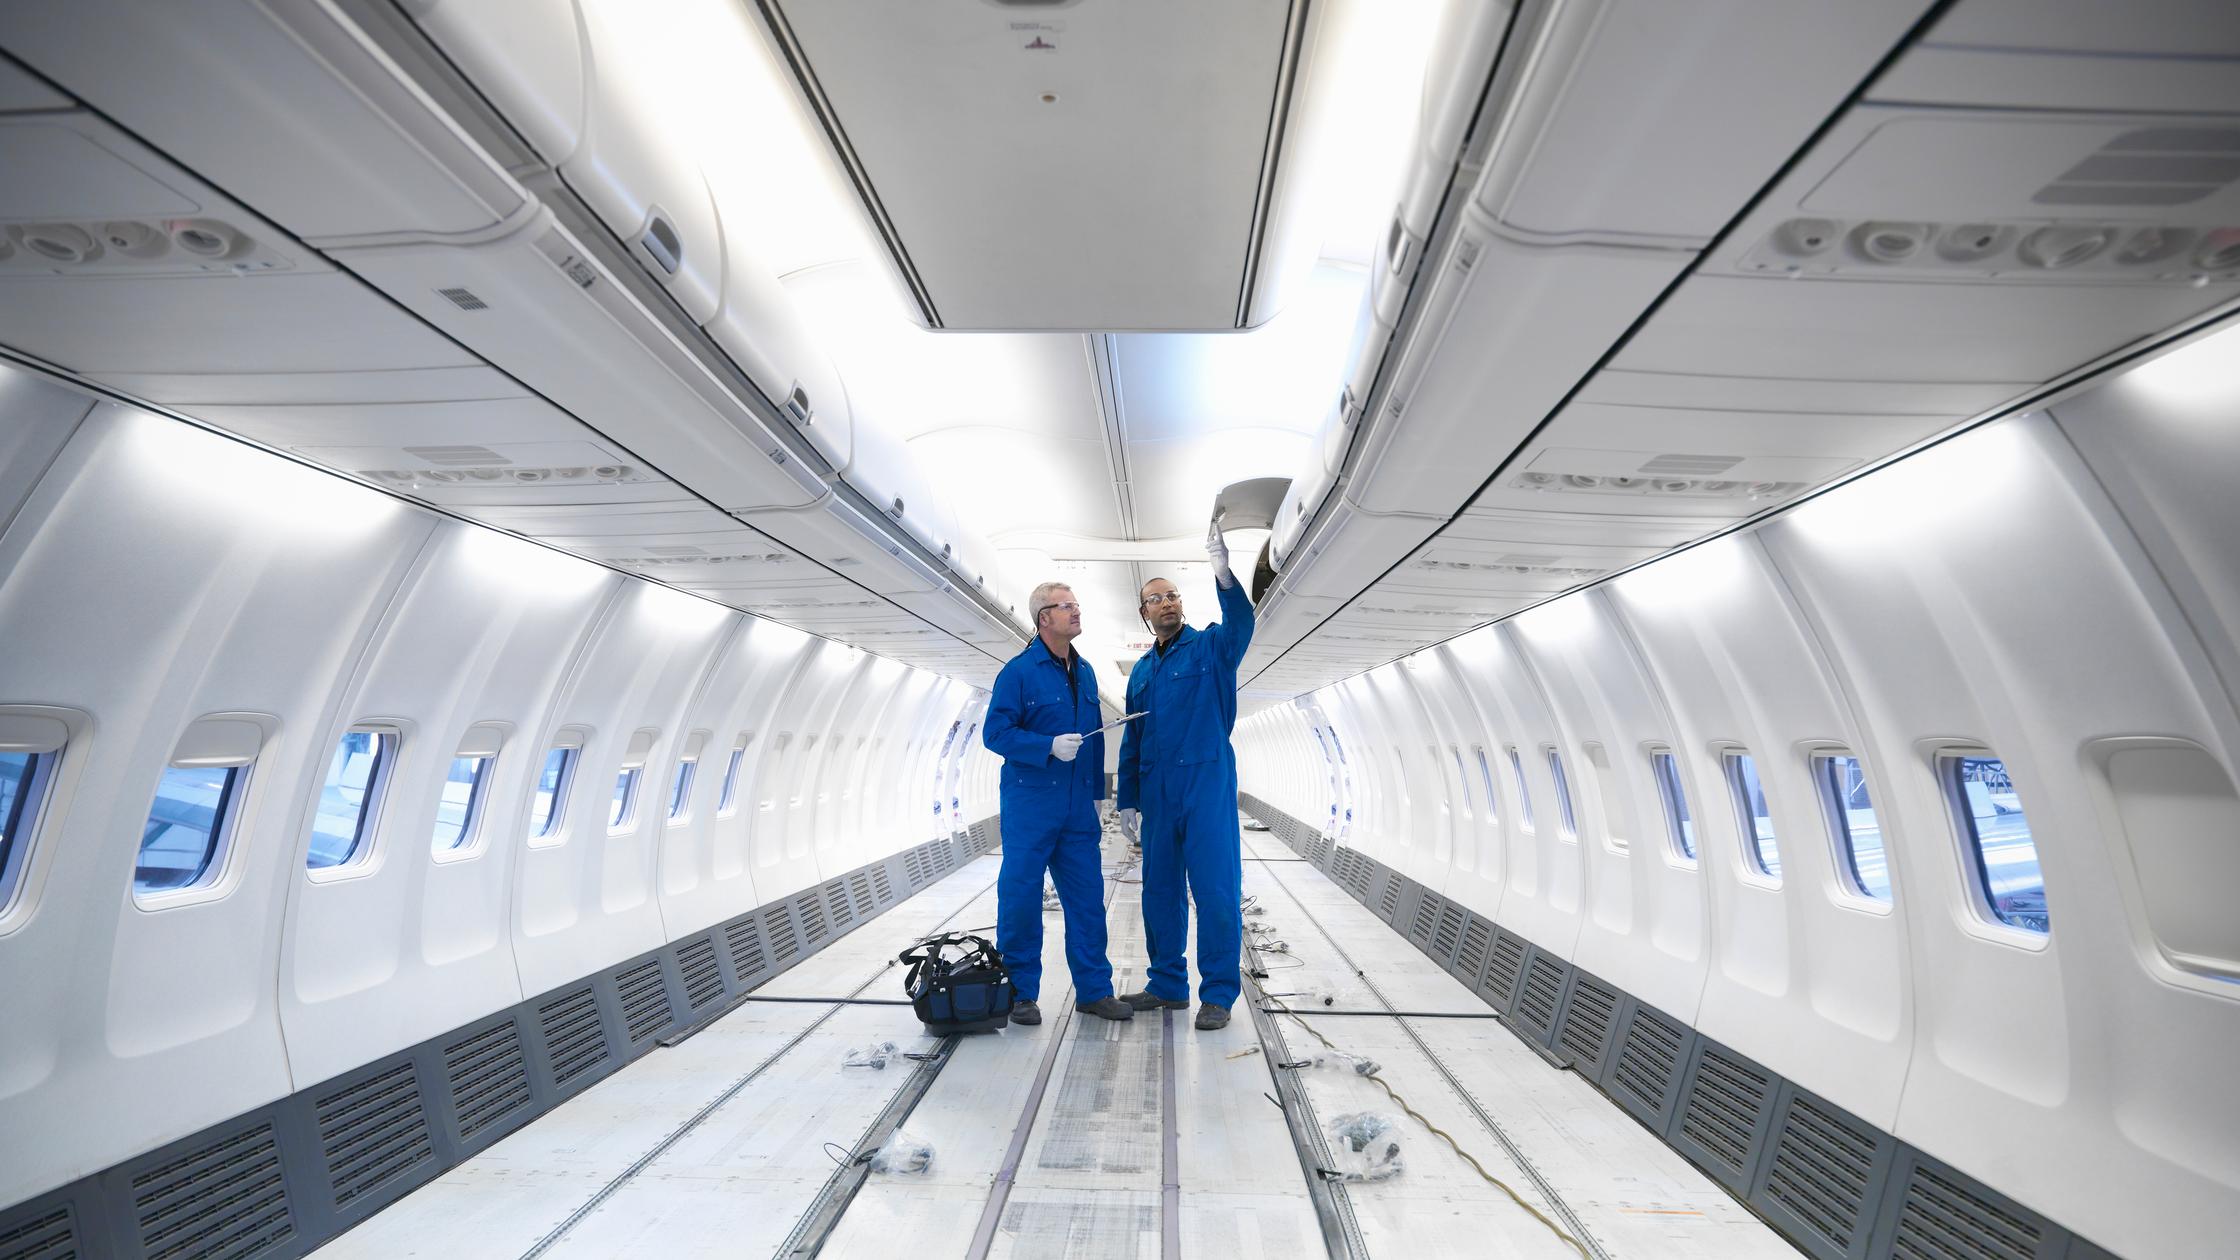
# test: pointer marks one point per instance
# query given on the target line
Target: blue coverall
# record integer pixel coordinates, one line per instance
(1179, 772)
(1049, 818)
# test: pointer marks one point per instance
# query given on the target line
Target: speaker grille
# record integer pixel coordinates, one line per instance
(745, 944)
(223, 1199)
(1821, 1165)
(1648, 1059)
(1543, 988)
(488, 1076)
(1945, 1219)
(572, 1034)
(1501, 974)
(372, 1132)
(1722, 1109)
(48, 1236)
(645, 1000)
(703, 978)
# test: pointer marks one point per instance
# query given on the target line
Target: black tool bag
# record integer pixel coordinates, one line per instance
(958, 984)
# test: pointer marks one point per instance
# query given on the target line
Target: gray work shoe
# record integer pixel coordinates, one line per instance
(1211, 1017)
(1025, 1011)
(1145, 1000)
(1107, 1008)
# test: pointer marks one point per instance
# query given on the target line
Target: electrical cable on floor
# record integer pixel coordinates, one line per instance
(1283, 1009)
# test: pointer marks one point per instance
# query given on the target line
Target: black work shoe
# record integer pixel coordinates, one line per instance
(1026, 1012)
(1107, 1008)
(1145, 1000)
(1211, 1017)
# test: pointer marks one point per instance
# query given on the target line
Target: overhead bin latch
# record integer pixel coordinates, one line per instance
(1245, 513)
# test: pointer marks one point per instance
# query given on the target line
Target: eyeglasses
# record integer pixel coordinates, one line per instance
(1158, 598)
(1064, 608)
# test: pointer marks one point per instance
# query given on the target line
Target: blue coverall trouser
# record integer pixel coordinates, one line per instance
(1065, 843)
(1188, 819)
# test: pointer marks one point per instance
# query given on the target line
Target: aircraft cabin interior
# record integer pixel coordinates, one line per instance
(537, 538)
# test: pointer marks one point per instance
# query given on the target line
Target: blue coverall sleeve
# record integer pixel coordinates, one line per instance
(1130, 748)
(1234, 632)
(1003, 735)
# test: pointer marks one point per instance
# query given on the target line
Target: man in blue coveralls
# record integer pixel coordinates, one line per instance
(1042, 720)
(1178, 775)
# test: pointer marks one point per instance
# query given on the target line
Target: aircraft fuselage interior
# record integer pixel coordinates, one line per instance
(550, 552)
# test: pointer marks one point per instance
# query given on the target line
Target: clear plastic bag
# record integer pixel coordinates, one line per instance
(1338, 1061)
(903, 1155)
(873, 1056)
(1365, 1146)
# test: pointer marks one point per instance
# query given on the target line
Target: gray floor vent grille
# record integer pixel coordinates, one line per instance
(645, 1000)
(1543, 988)
(836, 910)
(1648, 1060)
(703, 979)
(226, 1199)
(810, 913)
(859, 890)
(778, 929)
(1587, 1018)
(1448, 935)
(1943, 1219)
(1500, 984)
(1822, 1163)
(53, 1236)
(745, 944)
(1424, 921)
(1470, 956)
(373, 1131)
(572, 1035)
(1721, 1113)
(914, 866)
(882, 888)
(488, 1076)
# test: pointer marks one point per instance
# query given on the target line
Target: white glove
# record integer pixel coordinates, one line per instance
(1131, 822)
(1217, 550)
(1065, 747)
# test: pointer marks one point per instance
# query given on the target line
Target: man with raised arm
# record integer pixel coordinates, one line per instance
(1042, 720)
(1178, 786)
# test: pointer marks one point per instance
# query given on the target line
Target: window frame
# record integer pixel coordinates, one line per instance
(1975, 874)
(1850, 886)
(1672, 796)
(1524, 790)
(555, 829)
(1485, 776)
(389, 739)
(1608, 797)
(207, 884)
(19, 832)
(629, 785)
(679, 810)
(470, 828)
(727, 799)
(1567, 811)
(1754, 867)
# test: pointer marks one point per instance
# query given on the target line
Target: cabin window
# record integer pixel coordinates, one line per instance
(1678, 824)
(1564, 817)
(1753, 817)
(350, 801)
(187, 827)
(1858, 832)
(622, 810)
(1485, 778)
(2010, 885)
(728, 800)
(550, 804)
(459, 806)
(680, 791)
(24, 779)
(1524, 793)
(1462, 776)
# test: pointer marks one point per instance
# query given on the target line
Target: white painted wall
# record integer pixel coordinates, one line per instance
(2056, 588)
(152, 573)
